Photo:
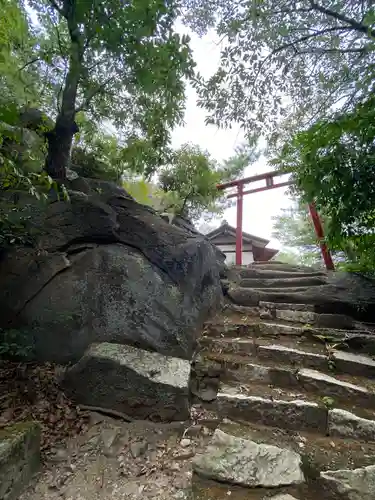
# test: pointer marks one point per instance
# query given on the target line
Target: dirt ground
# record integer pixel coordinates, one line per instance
(119, 460)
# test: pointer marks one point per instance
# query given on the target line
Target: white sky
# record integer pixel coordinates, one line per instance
(258, 207)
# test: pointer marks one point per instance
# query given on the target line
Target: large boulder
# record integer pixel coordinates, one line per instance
(106, 269)
(147, 384)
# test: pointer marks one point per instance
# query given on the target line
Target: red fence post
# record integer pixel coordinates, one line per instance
(320, 234)
(239, 225)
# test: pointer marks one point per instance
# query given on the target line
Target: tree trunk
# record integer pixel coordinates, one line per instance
(61, 138)
(60, 141)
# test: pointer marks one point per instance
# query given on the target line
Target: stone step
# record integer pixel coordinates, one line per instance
(331, 361)
(334, 361)
(280, 327)
(19, 458)
(276, 283)
(360, 341)
(359, 391)
(300, 313)
(298, 295)
(290, 411)
(245, 273)
(282, 266)
(293, 414)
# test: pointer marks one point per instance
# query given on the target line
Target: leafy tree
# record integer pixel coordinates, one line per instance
(285, 61)
(14, 45)
(114, 60)
(206, 227)
(290, 257)
(294, 229)
(193, 175)
(332, 162)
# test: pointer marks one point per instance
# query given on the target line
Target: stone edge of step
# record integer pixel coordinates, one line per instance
(334, 422)
(306, 378)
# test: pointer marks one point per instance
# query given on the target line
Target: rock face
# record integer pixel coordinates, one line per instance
(240, 461)
(19, 458)
(107, 269)
(357, 484)
(139, 383)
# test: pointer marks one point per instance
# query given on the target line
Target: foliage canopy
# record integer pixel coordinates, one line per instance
(285, 62)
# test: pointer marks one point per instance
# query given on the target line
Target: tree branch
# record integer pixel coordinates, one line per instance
(304, 39)
(36, 59)
(362, 28)
(92, 94)
(57, 7)
(361, 50)
(59, 39)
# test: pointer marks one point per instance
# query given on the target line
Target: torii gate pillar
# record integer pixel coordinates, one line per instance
(269, 178)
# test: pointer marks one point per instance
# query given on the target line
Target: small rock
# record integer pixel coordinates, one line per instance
(96, 418)
(175, 467)
(109, 436)
(208, 394)
(138, 448)
(185, 442)
(59, 454)
(265, 315)
(193, 430)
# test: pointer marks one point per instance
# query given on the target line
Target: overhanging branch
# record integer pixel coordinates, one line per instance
(362, 28)
(305, 38)
(92, 94)
(55, 5)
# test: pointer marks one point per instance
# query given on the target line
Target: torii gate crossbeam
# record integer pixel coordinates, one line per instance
(270, 184)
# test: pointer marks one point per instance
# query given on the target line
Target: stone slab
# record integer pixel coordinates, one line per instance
(314, 380)
(281, 282)
(19, 458)
(294, 415)
(289, 355)
(283, 497)
(295, 316)
(244, 462)
(280, 329)
(343, 423)
(274, 273)
(228, 345)
(356, 364)
(356, 484)
(139, 383)
(301, 313)
(280, 306)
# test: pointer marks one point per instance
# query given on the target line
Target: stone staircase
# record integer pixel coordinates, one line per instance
(278, 403)
(293, 388)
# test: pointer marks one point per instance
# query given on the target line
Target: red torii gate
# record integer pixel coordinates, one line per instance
(270, 184)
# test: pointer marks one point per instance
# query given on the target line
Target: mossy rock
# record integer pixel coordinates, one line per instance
(19, 458)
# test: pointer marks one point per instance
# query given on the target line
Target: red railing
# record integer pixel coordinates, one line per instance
(270, 184)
